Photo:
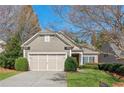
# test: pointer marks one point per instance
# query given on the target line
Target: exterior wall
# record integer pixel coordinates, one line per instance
(55, 45)
(96, 58)
(38, 45)
(104, 57)
(107, 59)
(121, 61)
(68, 52)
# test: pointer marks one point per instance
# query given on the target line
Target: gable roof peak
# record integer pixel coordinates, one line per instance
(48, 31)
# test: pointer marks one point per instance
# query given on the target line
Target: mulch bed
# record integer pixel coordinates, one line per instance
(118, 84)
(5, 70)
(117, 76)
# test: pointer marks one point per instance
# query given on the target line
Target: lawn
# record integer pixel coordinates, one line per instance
(90, 78)
(5, 73)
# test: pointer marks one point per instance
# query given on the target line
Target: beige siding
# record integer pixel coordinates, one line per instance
(38, 45)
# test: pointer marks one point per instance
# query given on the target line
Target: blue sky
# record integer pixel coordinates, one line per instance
(47, 16)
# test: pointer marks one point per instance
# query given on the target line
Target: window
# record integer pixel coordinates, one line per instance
(46, 38)
(85, 60)
(88, 59)
(105, 55)
(65, 48)
(91, 59)
(27, 48)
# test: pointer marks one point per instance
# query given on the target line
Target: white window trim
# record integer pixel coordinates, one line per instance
(89, 57)
(47, 38)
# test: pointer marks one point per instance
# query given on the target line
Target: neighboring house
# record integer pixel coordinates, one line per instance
(110, 53)
(2, 45)
(47, 51)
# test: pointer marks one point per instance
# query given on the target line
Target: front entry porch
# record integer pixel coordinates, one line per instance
(77, 57)
(85, 58)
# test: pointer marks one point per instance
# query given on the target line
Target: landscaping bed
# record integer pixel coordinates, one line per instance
(114, 69)
(6, 70)
(5, 73)
(118, 84)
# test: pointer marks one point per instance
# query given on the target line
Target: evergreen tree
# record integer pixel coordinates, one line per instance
(12, 51)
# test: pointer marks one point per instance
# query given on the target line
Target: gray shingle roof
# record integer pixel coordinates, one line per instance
(116, 50)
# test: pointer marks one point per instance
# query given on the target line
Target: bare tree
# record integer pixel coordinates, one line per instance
(18, 19)
(27, 23)
(90, 19)
(8, 17)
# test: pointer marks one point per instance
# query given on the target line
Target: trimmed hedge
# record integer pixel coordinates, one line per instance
(21, 64)
(91, 66)
(116, 68)
(70, 64)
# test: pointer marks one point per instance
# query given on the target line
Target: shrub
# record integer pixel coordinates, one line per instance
(101, 66)
(3, 60)
(110, 68)
(116, 66)
(21, 64)
(120, 70)
(91, 66)
(70, 64)
(107, 67)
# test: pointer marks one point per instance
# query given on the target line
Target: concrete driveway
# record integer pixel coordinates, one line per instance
(36, 79)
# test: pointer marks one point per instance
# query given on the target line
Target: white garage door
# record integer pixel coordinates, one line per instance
(46, 62)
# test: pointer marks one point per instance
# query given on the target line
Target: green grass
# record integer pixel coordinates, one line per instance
(4, 75)
(89, 78)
